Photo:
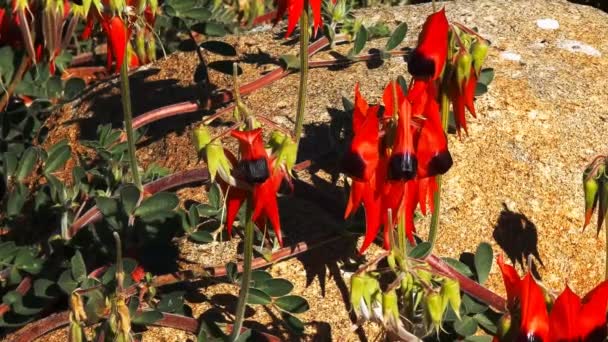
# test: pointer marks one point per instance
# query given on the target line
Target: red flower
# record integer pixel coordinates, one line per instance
(428, 59)
(265, 203)
(294, 9)
(118, 40)
(570, 319)
(463, 99)
(254, 160)
(138, 274)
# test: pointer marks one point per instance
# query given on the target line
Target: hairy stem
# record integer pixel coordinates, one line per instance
(128, 116)
(246, 276)
(303, 73)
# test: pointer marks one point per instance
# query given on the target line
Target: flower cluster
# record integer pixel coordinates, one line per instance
(57, 20)
(570, 318)
(255, 176)
(396, 152)
(294, 9)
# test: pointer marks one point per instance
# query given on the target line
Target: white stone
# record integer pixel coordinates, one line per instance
(510, 56)
(576, 46)
(547, 24)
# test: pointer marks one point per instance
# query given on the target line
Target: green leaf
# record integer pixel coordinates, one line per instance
(57, 159)
(41, 288)
(471, 306)
(292, 304)
(465, 327)
(157, 205)
(214, 29)
(219, 47)
(12, 297)
(360, 41)
(201, 236)
(26, 164)
(16, 200)
(79, 270)
(129, 196)
(420, 251)
(206, 210)
(459, 266)
(107, 206)
(73, 87)
(147, 317)
(215, 196)
(480, 89)
(486, 323)
(275, 287)
(7, 65)
(483, 261)
(396, 37)
(294, 323)
(290, 61)
(171, 302)
(9, 162)
(486, 76)
(66, 282)
(259, 276)
(256, 296)
(198, 13)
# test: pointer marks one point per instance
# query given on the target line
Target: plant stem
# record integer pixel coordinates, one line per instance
(246, 276)
(606, 230)
(303, 73)
(128, 115)
(445, 105)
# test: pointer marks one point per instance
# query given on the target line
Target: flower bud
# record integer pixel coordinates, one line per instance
(200, 137)
(140, 46)
(407, 283)
(77, 307)
(217, 161)
(357, 285)
(450, 294)
(285, 149)
(390, 308)
(151, 49)
(463, 68)
(479, 51)
(124, 319)
(433, 309)
(603, 201)
(503, 327)
(591, 187)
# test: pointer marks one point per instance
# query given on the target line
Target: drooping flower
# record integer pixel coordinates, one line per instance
(427, 61)
(118, 41)
(570, 320)
(294, 9)
(254, 160)
(463, 99)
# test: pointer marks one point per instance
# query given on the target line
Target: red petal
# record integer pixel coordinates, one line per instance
(234, 200)
(265, 202)
(295, 11)
(360, 110)
(411, 201)
(592, 317)
(315, 6)
(534, 317)
(469, 93)
(428, 59)
(389, 101)
(564, 315)
(432, 146)
(356, 195)
(372, 205)
(511, 281)
(251, 144)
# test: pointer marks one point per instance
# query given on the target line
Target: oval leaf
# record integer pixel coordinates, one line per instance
(201, 236)
(465, 327)
(292, 304)
(276, 287)
(483, 261)
(256, 296)
(73, 87)
(129, 196)
(396, 37)
(26, 164)
(57, 159)
(420, 251)
(79, 270)
(360, 40)
(157, 204)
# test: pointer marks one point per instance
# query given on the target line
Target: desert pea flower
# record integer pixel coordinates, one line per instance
(294, 9)
(427, 61)
(571, 318)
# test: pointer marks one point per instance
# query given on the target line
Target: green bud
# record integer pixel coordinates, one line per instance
(390, 308)
(200, 138)
(391, 261)
(479, 51)
(357, 285)
(76, 332)
(153, 6)
(603, 201)
(450, 294)
(140, 45)
(591, 187)
(216, 160)
(463, 68)
(425, 276)
(151, 49)
(504, 327)
(433, 309)
(285, 149)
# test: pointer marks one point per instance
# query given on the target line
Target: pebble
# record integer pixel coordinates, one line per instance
(547, 24)
(576, 46)
(510, 56)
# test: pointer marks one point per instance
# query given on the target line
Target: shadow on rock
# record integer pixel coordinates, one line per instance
(518, 237)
